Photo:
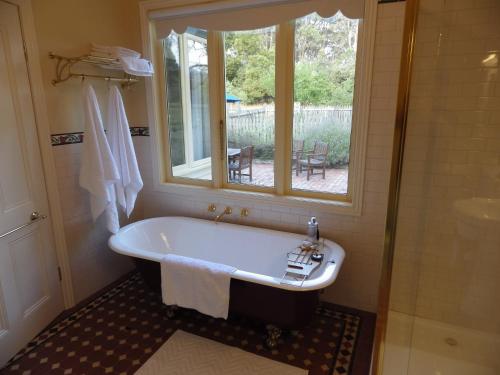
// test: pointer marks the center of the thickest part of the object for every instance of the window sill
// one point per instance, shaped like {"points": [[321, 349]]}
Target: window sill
{"points": [[251, 197]]}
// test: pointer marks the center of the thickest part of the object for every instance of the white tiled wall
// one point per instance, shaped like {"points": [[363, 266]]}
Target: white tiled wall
{"points": [[93, 264], [362, 237], [446, 264]]}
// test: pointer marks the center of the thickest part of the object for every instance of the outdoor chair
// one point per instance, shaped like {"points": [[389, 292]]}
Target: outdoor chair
{"points": [[315, 159], [297, 151], [243, 161]]}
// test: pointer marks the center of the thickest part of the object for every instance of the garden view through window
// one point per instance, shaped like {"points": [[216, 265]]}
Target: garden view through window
{"points": [[250, 110], [324, 67], [325, 62]]}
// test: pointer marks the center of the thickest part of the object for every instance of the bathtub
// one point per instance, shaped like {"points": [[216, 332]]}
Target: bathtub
{"points": [[259, 255]]}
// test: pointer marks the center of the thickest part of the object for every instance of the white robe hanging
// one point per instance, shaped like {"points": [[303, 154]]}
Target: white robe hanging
{"points": [[130, 182], [98, 172]]}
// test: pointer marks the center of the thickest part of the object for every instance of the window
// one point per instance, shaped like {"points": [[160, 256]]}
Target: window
{"points": [[186, 73], [325, 64], [249, 58], [280, 109]]}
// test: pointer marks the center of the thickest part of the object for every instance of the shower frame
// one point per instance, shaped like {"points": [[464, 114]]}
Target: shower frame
{"points": [[406, 65]]}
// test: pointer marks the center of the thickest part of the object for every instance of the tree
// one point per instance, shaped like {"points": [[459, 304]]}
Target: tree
{"points": [[325, 55], [250, 64]]}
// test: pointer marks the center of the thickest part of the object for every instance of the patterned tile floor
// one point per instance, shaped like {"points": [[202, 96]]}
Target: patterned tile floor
{"points": [[119, 330], [335, 180]]}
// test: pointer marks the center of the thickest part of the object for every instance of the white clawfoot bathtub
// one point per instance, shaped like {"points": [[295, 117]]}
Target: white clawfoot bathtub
{"points": [[259, 255]]}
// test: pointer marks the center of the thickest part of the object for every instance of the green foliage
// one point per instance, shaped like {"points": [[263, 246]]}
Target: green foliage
{"points": [[338, 139], [264, 152], [250, 65], [315, 84], [325, 54], [259, 78]]}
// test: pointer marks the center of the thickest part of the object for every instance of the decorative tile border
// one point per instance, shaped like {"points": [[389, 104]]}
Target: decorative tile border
{"points": [[66, 138], [345, 354], [77, 137], [142, 131]]}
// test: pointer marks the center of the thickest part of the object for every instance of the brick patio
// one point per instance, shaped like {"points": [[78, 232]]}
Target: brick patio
{"points": [[334, 182]]}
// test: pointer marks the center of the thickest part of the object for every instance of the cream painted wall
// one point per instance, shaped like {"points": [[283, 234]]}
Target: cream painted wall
{"points": [[67, 27]]}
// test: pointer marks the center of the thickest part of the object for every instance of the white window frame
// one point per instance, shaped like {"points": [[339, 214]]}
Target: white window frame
{"points": [[282, 194]]}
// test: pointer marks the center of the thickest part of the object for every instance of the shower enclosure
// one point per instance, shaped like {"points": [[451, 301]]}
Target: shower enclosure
{"points": [[441, 314]]}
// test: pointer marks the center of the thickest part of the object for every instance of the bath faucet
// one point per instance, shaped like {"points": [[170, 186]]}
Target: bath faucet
{"points": [[227, 211]]}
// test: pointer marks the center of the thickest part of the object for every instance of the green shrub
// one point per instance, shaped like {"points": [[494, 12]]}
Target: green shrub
{"points": [[264, 152], [337, 137]]}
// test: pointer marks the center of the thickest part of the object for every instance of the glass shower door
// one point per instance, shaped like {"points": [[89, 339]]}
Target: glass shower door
{"points": [[444, 309]]}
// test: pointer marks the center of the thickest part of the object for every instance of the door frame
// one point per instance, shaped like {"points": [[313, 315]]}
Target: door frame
{"points": [[28, 32]]}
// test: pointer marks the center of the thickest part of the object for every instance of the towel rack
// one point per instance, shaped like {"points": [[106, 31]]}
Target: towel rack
{"points": [[64, 72]]}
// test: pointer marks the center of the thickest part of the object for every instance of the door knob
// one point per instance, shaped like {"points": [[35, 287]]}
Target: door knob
{"points": [[34, 215]]}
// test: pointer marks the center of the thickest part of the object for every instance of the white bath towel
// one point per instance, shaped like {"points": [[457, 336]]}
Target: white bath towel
{"points": [[113, 51], [98, 171], [196, 284], [137, 67], [122, 148]]}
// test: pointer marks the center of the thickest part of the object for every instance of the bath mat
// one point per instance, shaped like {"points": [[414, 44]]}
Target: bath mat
{"points": [[118, 331], [185, 353]]}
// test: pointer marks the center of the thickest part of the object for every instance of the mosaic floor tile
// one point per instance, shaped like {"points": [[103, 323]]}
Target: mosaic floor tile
{"points": [[119, 330]]}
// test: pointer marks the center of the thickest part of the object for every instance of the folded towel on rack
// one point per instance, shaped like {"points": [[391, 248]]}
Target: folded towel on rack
{"points": [[196, 284], [98, 171], [137, 67], [122, 148], [113, 51], [114, 64]]}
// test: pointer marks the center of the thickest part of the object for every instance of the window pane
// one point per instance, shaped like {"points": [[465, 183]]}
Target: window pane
{"points": [[325, 62], [186, 62], [174, 100], [250, 71], [200, 117]]}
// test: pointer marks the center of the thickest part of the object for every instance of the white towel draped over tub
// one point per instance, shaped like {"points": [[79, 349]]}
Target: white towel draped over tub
{"points": [[98, 172], [196, 284], [120, 141]]}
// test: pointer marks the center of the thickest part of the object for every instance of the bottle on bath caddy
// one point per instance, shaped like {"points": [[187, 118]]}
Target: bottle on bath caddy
{"points": [[313, 230], [312, 240]]}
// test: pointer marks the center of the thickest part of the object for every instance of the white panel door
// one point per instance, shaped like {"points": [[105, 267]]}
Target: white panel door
{"points": [[30, 291]]}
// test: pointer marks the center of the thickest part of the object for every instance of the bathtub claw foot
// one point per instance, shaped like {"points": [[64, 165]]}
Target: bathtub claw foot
{"points": [[273, 335], [171, 310]]}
